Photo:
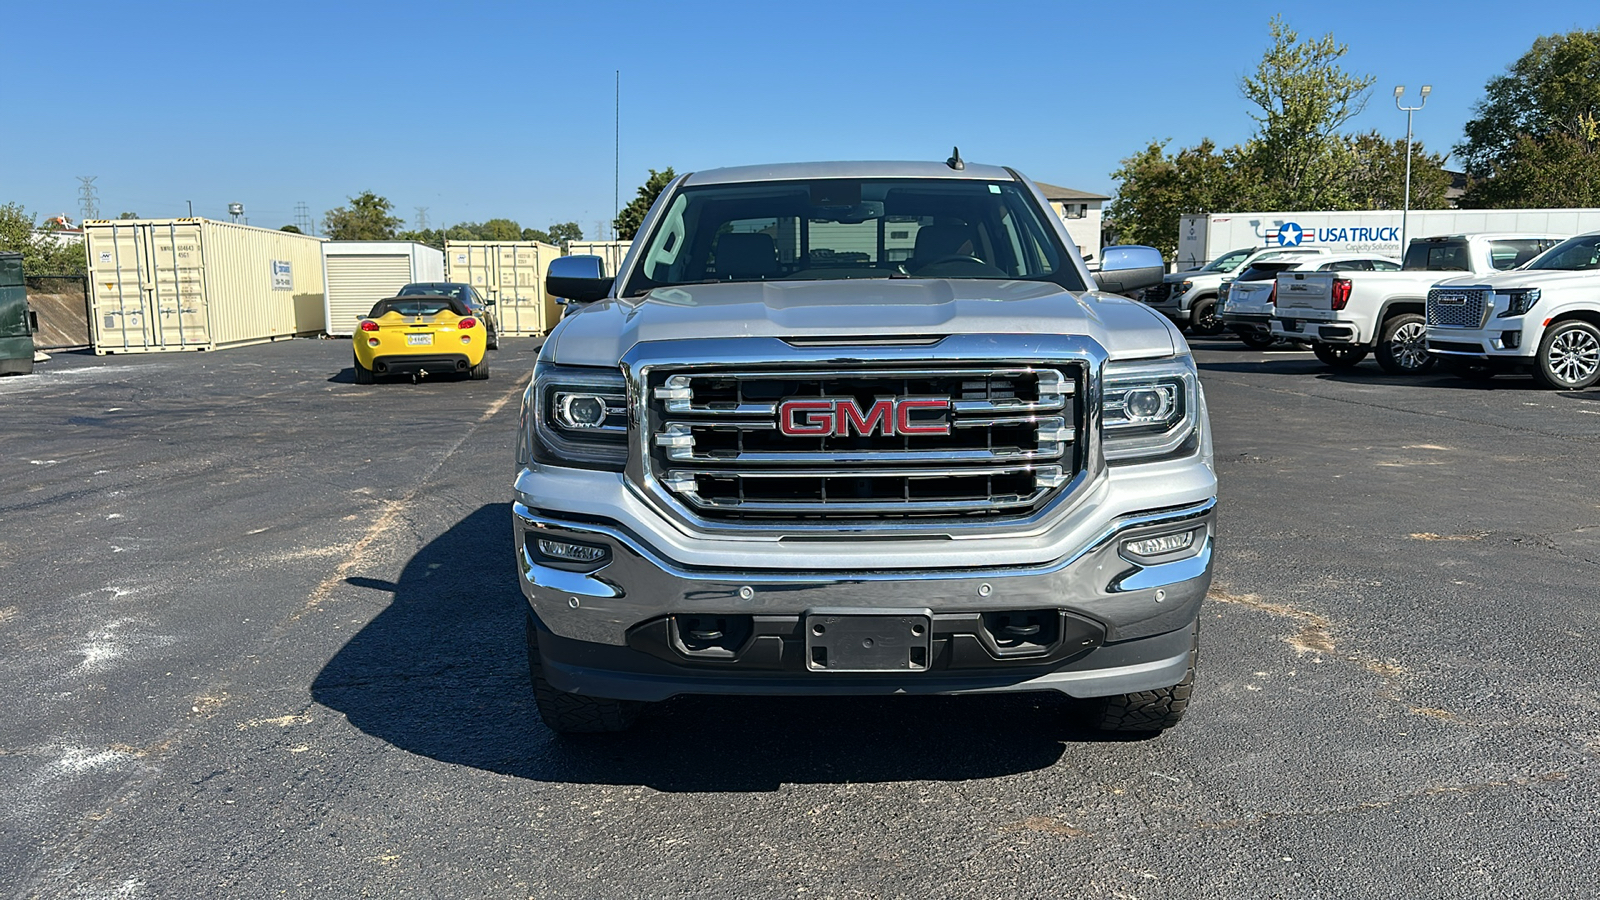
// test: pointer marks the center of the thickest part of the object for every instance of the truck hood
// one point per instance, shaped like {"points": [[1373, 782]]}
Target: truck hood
{"points": [[602, 333], [1523, 278]]}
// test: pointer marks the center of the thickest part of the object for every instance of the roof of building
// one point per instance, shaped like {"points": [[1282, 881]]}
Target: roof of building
{"points": [[1057, 192]]}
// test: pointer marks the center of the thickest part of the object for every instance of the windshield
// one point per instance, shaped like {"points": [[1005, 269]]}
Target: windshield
{"points": [[440, 289], [1579, 254], [1227, 262], [418, 306], [851, 228]]}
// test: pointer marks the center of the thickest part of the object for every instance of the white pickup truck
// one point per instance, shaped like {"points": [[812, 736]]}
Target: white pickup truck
{"points": [[1543, 317], [1346, 315], [1192, 299]]}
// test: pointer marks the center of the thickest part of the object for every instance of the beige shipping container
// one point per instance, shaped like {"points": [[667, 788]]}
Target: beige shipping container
{"points": [[613, 252], [158, 285], [511, 273]]}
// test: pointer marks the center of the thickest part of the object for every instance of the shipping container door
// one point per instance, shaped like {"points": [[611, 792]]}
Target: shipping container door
{"points": [[357, 281], [521, 294], [122, 320], [174, 284]]}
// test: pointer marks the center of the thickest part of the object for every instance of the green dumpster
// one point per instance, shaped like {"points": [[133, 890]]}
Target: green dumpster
{"points": [[17, 322]]}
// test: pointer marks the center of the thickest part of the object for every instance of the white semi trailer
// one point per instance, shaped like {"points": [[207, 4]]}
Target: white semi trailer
{"points": [[1203, 238]]}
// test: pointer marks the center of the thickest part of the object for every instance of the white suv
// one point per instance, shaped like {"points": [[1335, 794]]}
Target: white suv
{"points": [[1544, 317]]}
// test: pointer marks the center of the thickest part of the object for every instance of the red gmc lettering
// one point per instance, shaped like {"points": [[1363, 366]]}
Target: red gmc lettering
{"points": [[903, 417], [816, 418], [819, 416]]}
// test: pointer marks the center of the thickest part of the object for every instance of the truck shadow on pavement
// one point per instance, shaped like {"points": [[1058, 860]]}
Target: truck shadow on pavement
{"points": [[442, 672]]}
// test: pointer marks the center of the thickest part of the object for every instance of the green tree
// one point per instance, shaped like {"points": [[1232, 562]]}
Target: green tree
{"points": [[433, 237], [367, 218], [1377, 176], [536, 234], [41, 255], [561, 232], [291, 229], [1532, 139], [632, 216], [128, 215], [1303, 99], [500, 230], [1157, 187]]}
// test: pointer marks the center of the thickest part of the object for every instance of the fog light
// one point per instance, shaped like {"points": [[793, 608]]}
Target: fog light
{"points": [[580, 410], [570, 552], [372, 342], [466, 339], [1160, 546], [1511, 340]]}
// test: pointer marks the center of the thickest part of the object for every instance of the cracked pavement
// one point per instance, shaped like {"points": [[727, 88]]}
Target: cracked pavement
{"points": [[262, 637]]}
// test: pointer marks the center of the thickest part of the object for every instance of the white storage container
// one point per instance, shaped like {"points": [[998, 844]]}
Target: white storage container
{"points": [[194, 284], [613, 252], [511, 273], [360, 273]]}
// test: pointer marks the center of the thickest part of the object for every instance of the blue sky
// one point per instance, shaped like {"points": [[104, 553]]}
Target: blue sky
{"points": [[505, 109]]}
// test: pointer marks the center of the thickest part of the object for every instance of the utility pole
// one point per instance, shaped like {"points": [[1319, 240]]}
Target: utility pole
{"points": [[616, 158], [422, 218], [1405, 210], [88, 199]]}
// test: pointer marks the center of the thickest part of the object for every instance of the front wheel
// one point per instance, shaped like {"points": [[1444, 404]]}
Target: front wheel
{"points": [[566, 713], [1569, 356], [1403, 345], [1256, 340], [1149, 712], [1205, 321], [1338, 356]]}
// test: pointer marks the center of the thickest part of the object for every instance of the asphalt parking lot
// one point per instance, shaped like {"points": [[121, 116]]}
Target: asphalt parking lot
{"points": [[262, 637]]}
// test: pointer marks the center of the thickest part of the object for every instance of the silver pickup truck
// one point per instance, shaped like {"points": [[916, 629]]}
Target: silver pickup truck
{"points": [[862, 428]]}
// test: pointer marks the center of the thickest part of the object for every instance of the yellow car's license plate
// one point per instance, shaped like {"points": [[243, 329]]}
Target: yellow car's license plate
{"points": [[419, 340]]}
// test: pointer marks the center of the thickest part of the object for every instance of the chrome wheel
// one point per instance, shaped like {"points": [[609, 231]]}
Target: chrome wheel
{"points": [[1574, 357], [1410, 345]]}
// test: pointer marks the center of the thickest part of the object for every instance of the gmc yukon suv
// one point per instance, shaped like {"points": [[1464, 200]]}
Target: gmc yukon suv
{"points": [[1543, 318], [862, 428]]}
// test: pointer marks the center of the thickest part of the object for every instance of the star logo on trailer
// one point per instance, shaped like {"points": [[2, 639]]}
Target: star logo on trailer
{"points": [[1290, 235]]}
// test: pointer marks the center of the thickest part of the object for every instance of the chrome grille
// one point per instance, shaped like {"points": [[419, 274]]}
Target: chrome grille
{"points": [[1158, 293], [715, 442], [1457, 307]]}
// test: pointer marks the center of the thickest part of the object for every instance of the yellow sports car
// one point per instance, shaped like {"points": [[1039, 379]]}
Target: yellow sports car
{"points": [[418, 336]]}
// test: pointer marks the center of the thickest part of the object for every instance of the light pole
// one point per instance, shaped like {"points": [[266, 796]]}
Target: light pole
{"points": [[1405, 210]]}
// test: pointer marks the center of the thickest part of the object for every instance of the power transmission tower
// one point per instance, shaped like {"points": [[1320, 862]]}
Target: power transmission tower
{"points": [[302, 218], [88, 198], [422, 218]]}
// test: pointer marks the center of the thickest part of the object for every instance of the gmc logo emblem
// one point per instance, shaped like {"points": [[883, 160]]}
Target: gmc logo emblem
{"points": [[1452, 300], [841, 418]]}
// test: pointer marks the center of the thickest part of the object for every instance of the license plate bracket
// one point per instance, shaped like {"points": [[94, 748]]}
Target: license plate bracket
{"points": [[419, 340], [878, 641]]}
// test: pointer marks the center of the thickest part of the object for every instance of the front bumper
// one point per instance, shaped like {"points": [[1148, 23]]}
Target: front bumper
{"points": [[1505, 339], [1124, 626]]}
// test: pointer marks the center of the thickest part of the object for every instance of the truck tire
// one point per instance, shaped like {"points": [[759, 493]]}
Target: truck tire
{"points": [[566, 713], [1569, 356], [1403, 345], [1255, 340], [1149, 712], [480, 372], [1339, 356], [1204, 320], [363, 374]]}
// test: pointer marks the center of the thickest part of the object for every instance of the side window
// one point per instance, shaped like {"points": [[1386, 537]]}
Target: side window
{"points": [[1347, 265], [1383, 265]]}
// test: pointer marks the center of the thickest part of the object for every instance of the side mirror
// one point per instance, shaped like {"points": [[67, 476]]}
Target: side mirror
{"points": [[488, 301], [1129, 268], [580, 279]]}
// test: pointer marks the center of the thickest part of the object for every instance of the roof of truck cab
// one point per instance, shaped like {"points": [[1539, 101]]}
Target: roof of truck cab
{"points": [[867, 169]]}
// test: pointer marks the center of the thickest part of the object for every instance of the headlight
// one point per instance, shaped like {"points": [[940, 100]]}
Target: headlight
{"points": [[1519, 302], [1148, 409], [1184, 287], [575, 416]]}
